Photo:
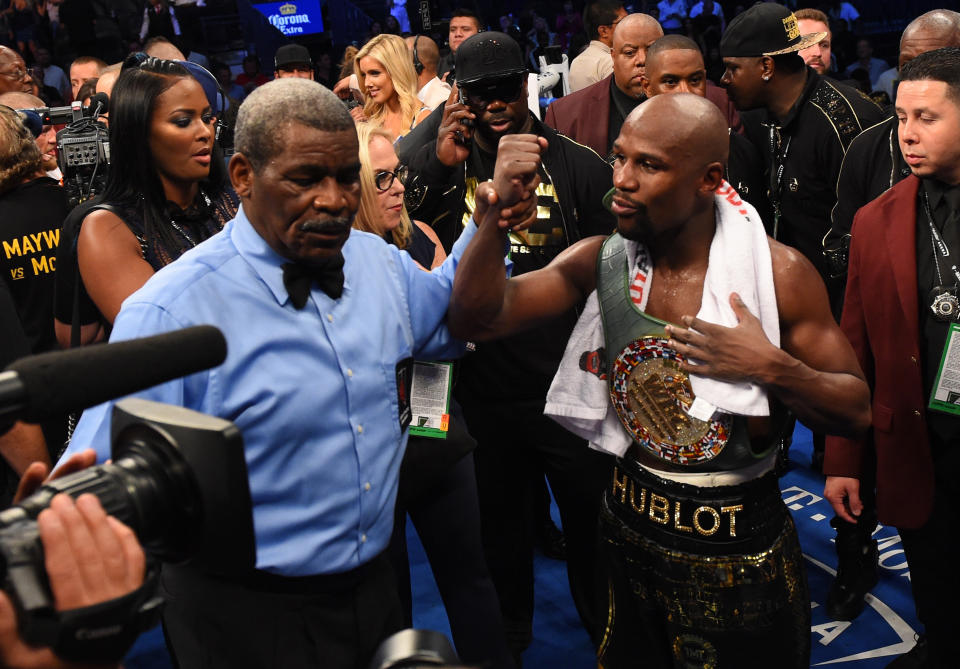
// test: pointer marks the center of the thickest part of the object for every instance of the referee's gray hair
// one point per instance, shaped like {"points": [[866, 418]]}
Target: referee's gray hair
{"points": [[271, 108]]}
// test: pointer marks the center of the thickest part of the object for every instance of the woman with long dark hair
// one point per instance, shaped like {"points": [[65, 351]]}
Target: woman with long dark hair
{"points": [[166, 192]]}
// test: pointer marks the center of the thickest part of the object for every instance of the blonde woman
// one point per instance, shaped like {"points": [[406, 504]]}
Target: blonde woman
{"points": [[382, 211], [437, 481], [384, 69]]}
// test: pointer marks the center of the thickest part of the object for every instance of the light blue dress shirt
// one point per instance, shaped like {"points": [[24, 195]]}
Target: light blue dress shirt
{"points": [[313, 391]]}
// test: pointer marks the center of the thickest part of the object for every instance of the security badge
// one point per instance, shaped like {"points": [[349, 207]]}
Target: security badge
{"points": [[945, 396], [944, 303], [652, 396]]}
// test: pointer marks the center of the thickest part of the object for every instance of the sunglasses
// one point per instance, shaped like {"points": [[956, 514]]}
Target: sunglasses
{"points": [[481, 94], [384, 179]]}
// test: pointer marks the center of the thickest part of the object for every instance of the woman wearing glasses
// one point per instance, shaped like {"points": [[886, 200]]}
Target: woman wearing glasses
{"points": [[163, 196], [382, 211], [387, 78], [437, 482]]}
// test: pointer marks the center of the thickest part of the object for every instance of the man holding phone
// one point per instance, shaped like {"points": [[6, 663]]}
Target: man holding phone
{"points": [[503, 385]]}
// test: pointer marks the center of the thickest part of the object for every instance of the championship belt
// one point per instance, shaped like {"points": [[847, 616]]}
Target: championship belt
{"points": [[649, 391]]}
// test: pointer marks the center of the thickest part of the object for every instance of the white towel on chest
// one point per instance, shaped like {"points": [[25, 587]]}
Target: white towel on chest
{"points": [[739, 262]]}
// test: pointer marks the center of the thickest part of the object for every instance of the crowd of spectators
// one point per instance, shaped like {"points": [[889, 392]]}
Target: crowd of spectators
{"points": [[535, 25], [50, 35]]}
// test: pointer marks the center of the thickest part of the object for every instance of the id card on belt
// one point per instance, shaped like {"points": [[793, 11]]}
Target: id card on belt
{"points": [[946, 386], [430, 399]]}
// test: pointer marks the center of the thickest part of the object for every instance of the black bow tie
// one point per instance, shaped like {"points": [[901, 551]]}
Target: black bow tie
{"points": [[298, 279]]}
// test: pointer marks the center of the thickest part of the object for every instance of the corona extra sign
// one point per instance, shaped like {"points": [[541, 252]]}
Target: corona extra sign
{"points": [[293, 18]]}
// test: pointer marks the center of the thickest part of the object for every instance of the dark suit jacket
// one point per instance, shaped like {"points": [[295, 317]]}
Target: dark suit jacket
{"points": [[882, 321], [584, 116]]}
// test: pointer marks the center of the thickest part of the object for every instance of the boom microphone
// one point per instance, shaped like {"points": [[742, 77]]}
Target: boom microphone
{"points": [[43, 386], [99, 104]]}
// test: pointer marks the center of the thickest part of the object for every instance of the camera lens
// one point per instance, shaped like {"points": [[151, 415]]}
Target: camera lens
{"points": [[149, 487]]}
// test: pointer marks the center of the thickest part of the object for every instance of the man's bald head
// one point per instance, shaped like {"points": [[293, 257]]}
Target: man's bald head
{"points": [[631, 38], [685, 123], [637, 28], [162, 48], [108, 78], [669, 160], [427, 52], [19, 100], [934, 30]]}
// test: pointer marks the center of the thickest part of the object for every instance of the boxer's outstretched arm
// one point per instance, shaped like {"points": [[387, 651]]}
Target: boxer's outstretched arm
{"points": [[485, 304]]}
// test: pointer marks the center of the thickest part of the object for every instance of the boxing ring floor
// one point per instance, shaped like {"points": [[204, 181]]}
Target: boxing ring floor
{"points": [[884, 630]]}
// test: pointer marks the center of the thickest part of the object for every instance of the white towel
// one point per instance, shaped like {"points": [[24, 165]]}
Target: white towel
{"points": [[579, 398]]}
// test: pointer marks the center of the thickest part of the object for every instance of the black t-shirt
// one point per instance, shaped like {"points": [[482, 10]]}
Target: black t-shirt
{"points": [[30, 220], [945, 206], [621, 105], [13, 345], [519, 367]]}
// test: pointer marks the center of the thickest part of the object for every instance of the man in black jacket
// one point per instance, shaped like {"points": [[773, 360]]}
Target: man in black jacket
{"points": [[503, 385], [803, 124], [873, 163]]}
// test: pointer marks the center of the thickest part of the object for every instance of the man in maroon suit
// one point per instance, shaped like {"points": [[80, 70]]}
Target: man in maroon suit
{"points": [[594, 115], [900, 314]]}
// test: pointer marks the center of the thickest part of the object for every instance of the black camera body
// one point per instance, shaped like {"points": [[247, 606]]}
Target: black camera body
{"points": [[178, 479], [83, 146], [83, 154]]}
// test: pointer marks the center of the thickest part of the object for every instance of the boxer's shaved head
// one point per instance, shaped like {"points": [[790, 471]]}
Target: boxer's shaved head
{"points": [[684, 123], [669, 159], [934, 30]]}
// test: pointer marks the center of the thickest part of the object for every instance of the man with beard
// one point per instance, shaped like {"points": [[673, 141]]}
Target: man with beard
{"points": [[818, 56], [321, 325], [502, 385], [705, 565]]}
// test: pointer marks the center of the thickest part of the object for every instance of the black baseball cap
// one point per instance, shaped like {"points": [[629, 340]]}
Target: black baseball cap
{"points": [[767, 29], [488, 55], [291, 54]]}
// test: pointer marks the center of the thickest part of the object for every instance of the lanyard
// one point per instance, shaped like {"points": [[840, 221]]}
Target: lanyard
{"points": [[776, 174], [939, 245]]}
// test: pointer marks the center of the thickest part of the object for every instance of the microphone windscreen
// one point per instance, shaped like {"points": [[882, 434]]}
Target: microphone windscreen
{"points": [[66, 381], [101, 99], [32, 120]]}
